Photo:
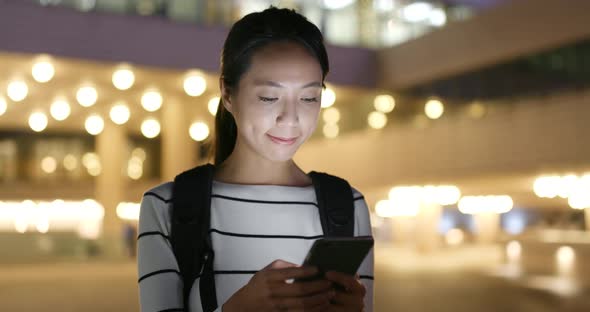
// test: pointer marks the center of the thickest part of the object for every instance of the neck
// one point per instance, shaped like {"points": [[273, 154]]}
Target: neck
{"points": [[243, 167]]}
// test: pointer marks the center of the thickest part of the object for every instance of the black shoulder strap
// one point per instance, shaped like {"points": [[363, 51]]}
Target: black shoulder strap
{"points": [[191, 210], [336, 204]]}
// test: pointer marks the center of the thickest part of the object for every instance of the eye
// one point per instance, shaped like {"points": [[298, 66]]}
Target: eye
{"points": [[267, 99], [310, 100]]}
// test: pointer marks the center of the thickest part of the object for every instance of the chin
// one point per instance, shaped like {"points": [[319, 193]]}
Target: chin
{"points": [[280, 157]]}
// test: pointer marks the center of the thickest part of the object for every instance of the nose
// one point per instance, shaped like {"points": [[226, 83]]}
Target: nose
{"points": [[288, 116]]}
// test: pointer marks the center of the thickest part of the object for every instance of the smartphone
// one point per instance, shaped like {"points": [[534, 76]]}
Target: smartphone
{"points": [[343, 255]]}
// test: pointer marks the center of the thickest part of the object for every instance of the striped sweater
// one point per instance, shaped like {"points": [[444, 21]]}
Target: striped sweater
{"points": [[251, 226]]}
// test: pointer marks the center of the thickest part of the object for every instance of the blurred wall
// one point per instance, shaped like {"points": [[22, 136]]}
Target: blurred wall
{"points": [[29, 28], [499, 34], [531, 136]]}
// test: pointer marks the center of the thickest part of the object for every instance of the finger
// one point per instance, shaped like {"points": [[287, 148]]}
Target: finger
{"points": [[349, 282], [281, 275], [326, 307], [349, 300], [280, 264], [307, 302], [300, 289]]}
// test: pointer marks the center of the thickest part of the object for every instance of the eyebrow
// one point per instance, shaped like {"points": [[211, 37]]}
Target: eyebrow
{"points": [[278, 85]]}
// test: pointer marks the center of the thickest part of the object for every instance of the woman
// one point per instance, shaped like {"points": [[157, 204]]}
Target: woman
{"points": [[263, 207]]}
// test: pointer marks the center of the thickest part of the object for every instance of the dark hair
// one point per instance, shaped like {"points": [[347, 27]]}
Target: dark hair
{"points": [[246, 36]]}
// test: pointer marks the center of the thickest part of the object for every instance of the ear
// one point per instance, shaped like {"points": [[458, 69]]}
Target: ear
{"points": [[225, 96]]}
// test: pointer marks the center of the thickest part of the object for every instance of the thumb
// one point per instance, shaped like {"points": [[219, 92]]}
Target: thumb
{"points": [[280, 264]]}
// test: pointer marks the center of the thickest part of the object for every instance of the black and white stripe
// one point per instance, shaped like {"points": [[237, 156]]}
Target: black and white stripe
{"points": [[251, 226]]}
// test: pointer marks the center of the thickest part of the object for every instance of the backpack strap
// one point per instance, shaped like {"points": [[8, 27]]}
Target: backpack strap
{"points": [[191, 203], [335, 203]]}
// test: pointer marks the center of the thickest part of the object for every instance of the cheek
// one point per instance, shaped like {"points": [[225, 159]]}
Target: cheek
{"points": [[256, 119], [309, 119]]}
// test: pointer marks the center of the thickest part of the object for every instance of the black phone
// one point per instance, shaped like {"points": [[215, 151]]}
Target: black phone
{"points": [[343, 255]]}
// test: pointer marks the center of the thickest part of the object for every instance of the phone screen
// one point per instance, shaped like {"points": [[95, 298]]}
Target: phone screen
{"points": [[343, 255]]}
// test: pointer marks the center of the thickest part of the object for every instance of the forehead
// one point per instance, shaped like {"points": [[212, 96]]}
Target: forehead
{"points": [[284, 61]]}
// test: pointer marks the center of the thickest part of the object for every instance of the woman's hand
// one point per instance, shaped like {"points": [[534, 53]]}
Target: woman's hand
{"points": [[268, 290], [350, 292]]}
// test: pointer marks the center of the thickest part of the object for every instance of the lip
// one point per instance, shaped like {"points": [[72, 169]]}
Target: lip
{"points": [[282, 141]]}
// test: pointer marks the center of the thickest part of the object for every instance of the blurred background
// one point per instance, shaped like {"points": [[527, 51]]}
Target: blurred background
{"points": [[463, 122]]}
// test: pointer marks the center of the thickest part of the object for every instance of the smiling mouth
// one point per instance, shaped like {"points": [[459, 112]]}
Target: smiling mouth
{"points": [[284, 141]]}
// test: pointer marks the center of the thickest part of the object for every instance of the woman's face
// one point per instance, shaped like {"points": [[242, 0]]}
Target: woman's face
{"points": [[277, 102]]}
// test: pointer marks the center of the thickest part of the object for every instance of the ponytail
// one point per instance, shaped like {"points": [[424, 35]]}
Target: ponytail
{"points": [[225, 134]]}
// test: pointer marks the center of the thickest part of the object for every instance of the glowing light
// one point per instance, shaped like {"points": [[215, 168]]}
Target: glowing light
{"points": [[565, 254], [42, 225], [95, 171], [442, 195], [580, 194], [565, 257], [377, 120], [547, 186], [135, 168], [38, 121], [406, 200], [60, 110], [120, 113], [139, 153], [409, 199], [199, 131], [454, 237], [328, 97], [43, 71], [434, 109], [123, 79], [383, 6], [331, 130], [80, 217], [337, 4], [48, 164], [87, 96], [94, 124], [152, 100], [416, 12], [383, 209], [150, 128], [384, 103], [70, 162], [212, 105], [563, 186], [92, 163], [477, 110], [513, 251], [437, 17], [195, 84], [128, 211], [90, 160], [566, 186], [331, 115], [485, 204], [23, 217], [17, 90]]}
